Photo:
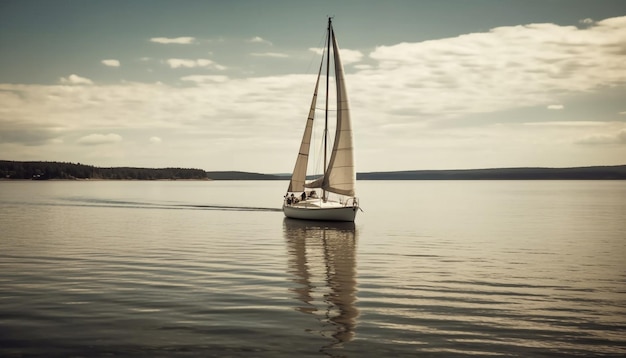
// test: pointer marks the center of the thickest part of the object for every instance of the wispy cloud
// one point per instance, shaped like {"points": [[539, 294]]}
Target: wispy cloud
{"points": [[29, 133], [111, 63], [258, 39], [566, 124], [269, 54], [205, 78], [347, 56], [76, 80], [155, 140], [184, 40], [556, 106], [192, 63], [618, 138], [98, 139]]}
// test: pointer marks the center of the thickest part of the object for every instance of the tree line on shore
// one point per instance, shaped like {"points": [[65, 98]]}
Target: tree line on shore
{"points": [[614, 172], [61, 170]]}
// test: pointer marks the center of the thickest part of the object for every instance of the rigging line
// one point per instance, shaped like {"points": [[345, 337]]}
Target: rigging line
{"points": [[314, 54]]}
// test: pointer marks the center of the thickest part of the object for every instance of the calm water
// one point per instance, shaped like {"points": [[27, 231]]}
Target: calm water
{"points": [[431, 268]]}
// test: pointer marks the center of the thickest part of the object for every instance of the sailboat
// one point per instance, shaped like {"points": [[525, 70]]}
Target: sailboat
{"points": [[331, 196]]}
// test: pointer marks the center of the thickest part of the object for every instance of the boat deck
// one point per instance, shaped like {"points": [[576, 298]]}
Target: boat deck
{"points": [[317, 204]]}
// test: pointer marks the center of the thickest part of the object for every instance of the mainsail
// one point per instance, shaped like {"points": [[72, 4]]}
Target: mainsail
{"points": [[340, 176]]}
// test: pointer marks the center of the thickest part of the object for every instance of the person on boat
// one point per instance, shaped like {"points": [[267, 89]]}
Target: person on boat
{"points": [[294, 200], [303, 196], [287, 199]]}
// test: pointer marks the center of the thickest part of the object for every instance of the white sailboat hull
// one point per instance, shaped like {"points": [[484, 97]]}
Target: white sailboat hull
{"points": [[329, 213]]}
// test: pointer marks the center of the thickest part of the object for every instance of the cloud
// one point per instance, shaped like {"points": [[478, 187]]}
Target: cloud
{"points": [[269, 54], [155, 140], [351, 56], [212, 106], [75, 80], [605, 139], [205, 79], [258, 39], [363, 67], [347, 56], [586, 21], [111, 63], [566, 123], [29, 134], [185, 40], [191, 63], [98, 139], [556, 106], [507, 67]]}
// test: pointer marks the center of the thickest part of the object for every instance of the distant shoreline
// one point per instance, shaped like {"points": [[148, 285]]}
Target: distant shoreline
{"points": [[16, 170], [616, 172]]}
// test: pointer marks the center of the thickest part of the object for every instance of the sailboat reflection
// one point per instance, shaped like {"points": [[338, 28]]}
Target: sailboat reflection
{"points": [[322, 259]]}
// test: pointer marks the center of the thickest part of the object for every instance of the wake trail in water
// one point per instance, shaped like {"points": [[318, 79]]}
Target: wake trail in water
{"points": [[107, 203], [229, 208]]}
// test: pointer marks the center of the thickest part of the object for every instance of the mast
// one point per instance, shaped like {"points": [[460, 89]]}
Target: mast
{"points": [[326, 109]]}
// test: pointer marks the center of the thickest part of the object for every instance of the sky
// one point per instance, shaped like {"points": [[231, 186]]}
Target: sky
{"points": [[226, 85]]}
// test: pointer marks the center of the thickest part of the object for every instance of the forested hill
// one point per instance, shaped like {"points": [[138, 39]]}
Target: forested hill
{"points": [[616, 172], [59, 170]]}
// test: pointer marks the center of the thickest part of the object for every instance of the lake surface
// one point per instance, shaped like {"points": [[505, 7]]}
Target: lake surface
{"points": [[430, 268]]}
